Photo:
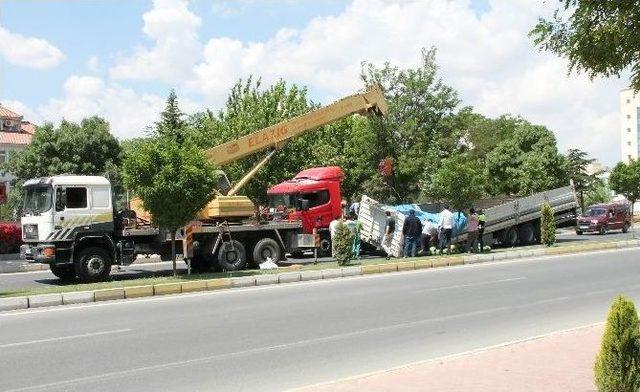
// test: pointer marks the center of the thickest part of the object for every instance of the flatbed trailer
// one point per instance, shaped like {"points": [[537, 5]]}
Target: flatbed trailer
{"points": [[512, 223]]}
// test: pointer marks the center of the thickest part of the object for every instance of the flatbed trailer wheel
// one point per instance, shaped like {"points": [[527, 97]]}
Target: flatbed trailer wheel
{"points": [[526, 234], [232, 256]]}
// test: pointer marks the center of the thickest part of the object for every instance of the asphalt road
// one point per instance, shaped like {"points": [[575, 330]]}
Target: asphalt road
{"points": [[15, 281], [286, 336]]}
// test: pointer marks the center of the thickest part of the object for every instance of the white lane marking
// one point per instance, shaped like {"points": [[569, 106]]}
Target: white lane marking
{"points": [[292, 286], [458, 286], [253, 351], [61, 338], [546, 301]]}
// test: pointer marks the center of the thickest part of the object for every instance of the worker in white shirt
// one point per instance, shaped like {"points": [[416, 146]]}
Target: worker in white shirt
{"points": [[445, 226]]}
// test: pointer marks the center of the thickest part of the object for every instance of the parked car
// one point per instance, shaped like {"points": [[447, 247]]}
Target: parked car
{"points": [[601, 218]]}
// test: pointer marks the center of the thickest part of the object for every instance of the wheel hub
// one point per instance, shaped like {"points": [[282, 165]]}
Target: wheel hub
{"points": [[95, 265]]}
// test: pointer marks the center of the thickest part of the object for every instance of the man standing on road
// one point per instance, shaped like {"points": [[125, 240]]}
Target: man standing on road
{"points": [[472, 231], [390, 228], [411, 230], [482, 220], [445, 226]]}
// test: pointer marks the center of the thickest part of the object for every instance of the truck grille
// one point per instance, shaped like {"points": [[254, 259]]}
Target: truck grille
{"points": [[30, 232]]}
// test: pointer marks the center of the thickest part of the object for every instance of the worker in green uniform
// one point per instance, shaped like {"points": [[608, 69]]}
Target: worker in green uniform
{"points": [[482, 221]]}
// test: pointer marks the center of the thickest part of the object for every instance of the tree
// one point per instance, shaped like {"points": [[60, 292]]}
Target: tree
{"points": [[547, 225], [526, 162], [171, 176], [343, 240], [172, 123], [87, 148], [415, 134], [459, 181], [174, 182], [625, 180], [599, 37], [617, 366], [577, 163]]}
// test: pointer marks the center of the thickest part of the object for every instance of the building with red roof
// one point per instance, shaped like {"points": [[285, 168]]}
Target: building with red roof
{"points": [[15, 135]]}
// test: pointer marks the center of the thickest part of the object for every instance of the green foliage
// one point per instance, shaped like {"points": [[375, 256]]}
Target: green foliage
{"points": [[342, 242], [250, 108], [547, 225], [617, 366], [577, 163], [625, 180], [87, 148], [415, 134], [599, 37], [174, 181], [12, 209], [598, 193], [526, 162], [459, 181], [172, 124]]}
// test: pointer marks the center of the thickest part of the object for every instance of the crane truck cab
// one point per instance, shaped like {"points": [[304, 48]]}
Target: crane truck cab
{"points": [[313, 197]]}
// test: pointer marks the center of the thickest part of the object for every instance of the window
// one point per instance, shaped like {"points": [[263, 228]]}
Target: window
{"points": [[628, 116], [3, 156], [628, 143], [316, 198], [628, 129], [100, 197], [628, 101], [629, 157], [76, 197]]}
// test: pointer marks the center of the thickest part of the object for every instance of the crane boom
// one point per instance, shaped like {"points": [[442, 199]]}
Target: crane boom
{"points": [[275, 136]]}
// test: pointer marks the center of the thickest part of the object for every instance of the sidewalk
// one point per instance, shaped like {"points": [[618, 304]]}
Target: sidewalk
{"points": [[562, 361]]}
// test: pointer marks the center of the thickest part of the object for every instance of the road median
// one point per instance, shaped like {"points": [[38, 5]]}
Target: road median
{"points": [[283, 276]]}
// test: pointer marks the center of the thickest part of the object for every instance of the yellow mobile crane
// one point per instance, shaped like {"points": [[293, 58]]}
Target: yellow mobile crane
{"points": [[275, 137]]}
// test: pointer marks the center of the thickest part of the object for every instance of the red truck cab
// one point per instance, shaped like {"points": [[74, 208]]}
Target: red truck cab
{"points": [[601, 218], [313, 196]]}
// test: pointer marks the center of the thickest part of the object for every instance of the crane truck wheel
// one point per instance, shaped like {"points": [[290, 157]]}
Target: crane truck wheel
{"points": [[92, 264], [232, 256], [267, 248], [325, 247], [63, 272]]}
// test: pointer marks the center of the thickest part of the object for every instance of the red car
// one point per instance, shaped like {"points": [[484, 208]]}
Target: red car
{"points": [[601, 218]]}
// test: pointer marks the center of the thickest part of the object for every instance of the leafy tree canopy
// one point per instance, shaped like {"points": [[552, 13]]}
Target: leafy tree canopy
{"points": [[87, 148], [599, 37], [625, 180], [459, 181]]}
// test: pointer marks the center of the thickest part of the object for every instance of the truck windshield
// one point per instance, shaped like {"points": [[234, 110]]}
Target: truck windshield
{"points": [[284, 200], [37, 199], [595, 212]]}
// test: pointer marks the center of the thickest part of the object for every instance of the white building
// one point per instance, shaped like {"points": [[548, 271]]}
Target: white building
{"points": [[15, 135], [629, 123]]}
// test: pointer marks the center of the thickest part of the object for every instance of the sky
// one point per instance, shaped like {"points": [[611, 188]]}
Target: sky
{"points": [[120, 59]]}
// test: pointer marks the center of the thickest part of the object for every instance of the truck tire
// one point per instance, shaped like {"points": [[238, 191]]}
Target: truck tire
{"points": [[325, 247], [63, 272], [92, 264], [603, 229], [266, 248], [625, 228], [232, 256], [511, 236], [526, 234]]}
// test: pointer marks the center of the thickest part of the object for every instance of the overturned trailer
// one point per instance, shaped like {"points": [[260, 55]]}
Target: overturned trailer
{"points": [[513, 223]]}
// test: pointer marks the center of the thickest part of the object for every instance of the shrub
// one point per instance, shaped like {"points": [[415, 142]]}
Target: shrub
{"points": [[547, 225], [617, 366], [342, 242], [10, 237]]}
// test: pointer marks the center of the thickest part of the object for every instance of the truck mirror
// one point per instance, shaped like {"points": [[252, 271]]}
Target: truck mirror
{"points": [[304, 205], [61, 199]]}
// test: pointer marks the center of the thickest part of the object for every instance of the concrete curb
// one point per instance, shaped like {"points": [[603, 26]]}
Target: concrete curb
{"points": [[75, 297]]}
